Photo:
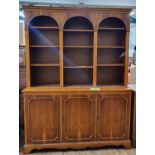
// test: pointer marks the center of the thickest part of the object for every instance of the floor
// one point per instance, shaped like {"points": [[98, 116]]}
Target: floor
{"points": [[86, 152]]}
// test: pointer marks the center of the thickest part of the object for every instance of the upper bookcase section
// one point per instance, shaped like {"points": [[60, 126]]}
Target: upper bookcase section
{"points": [[77, 46], [58, 16]]}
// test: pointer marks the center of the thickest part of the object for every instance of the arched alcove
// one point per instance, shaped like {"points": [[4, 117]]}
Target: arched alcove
{"points": [[112, 22], [111, 32], [78, 23], [45, 29], [44, 51], [78, 51], [43, 21], [111, 52]]}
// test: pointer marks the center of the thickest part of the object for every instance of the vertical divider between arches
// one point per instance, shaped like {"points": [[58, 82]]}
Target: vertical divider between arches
{"points": [[61, 58], [95, 59]]}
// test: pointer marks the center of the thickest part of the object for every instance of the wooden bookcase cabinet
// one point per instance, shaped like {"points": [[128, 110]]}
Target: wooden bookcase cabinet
{"points": [[70, 52]]}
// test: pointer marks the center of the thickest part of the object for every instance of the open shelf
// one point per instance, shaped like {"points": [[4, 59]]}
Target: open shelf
{"points": [[47, 85], [45, 75], [111, 52], [110, 56], [78, 57], [44, 55], [111, 38], [78, 39], [44, 37], [45, 29], [44, 51], [78, 76], [78, 52], [82, 38], [111, 75], [111, 32]]}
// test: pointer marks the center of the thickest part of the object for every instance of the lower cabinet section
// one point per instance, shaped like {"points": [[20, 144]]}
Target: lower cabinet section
{"points": [[76, 120]]}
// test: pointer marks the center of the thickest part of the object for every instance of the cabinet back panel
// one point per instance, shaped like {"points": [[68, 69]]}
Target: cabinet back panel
{"points": [[114, 38], [78, 39], [110, 75], [110, 56], [45, 76], [44, 37], [78, 76], [77, 57], [44, 55]]}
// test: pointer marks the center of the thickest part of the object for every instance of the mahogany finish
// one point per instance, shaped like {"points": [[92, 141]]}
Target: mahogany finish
{"points": [[77, 76]]}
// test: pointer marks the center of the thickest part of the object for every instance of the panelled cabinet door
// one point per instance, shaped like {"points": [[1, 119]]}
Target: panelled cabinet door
{"points": [[113, 116], [78, 118], [42, 119]]}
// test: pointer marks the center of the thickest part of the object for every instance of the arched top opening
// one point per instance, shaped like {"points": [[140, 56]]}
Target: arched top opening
{"points": [[43, 21], [78, 23], [112, 22]]}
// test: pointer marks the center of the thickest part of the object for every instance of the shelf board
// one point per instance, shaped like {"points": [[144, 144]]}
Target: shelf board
{"points": [[109, 65], [42, 46], [85, 67], [111, 85], [44, 27], [78, 30], [111, 46], [45, 65], [49, 85], [78, 86], [112, 28], [78, 46]]}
